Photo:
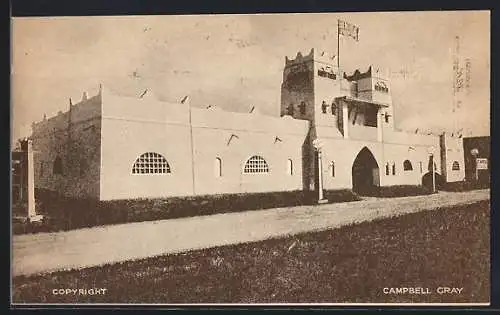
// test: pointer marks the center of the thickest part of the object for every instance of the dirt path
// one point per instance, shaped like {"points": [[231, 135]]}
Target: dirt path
{"points": [[47, 252]]}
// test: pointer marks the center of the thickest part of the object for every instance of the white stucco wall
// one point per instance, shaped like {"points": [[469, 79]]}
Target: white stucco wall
{"points": [[133, 126], [394, 150], [274, 139]]}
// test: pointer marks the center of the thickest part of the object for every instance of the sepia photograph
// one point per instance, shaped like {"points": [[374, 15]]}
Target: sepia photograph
{"points": [[251, 159]]}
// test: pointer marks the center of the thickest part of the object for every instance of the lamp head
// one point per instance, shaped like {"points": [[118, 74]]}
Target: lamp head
{"points": [[431, 150]]}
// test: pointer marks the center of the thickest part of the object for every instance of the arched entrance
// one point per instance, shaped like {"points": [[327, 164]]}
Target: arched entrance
{"points": [[427, 177], [365, 172]]}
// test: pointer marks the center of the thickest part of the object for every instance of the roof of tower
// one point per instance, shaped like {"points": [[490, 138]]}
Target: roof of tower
{"points": [[357, 75], [373, 70], [314, 54], [299, 58]]}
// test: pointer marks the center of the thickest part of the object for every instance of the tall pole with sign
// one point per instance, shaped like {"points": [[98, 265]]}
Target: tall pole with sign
{"points": [[31, 180], [474, 152], [477, 171]]}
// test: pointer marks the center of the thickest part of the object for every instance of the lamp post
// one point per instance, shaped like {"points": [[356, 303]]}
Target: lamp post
{"points": [[474, 152], [431, 151], [318, 145]]}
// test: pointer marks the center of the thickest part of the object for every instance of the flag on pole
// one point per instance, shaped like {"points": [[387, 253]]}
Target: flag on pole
{"points": [[348, 29]]}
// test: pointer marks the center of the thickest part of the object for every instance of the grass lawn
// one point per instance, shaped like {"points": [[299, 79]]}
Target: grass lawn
{"points": [[446, 247]]}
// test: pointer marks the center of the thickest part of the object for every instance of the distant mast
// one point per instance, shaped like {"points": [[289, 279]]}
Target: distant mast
{"points": [[458, 81]]}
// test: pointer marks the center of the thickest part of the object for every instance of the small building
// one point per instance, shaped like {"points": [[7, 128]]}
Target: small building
{"points": [[114, 147], [483, 146]]}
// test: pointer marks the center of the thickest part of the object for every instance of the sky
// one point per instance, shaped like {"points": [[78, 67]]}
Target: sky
{"points": [[236, 61]]}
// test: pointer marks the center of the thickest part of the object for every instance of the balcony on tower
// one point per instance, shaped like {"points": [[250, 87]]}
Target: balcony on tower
{"points": [[372, 85], [365, 101], [361, 119]]}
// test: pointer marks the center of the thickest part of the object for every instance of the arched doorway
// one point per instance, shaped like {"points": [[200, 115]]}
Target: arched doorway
{"points": [[427, 177], [427, 180], [365, 172]]}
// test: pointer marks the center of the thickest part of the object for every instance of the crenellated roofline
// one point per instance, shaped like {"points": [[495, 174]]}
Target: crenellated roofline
{"points": [[299, 58], [313, 55], [358, 75]]}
